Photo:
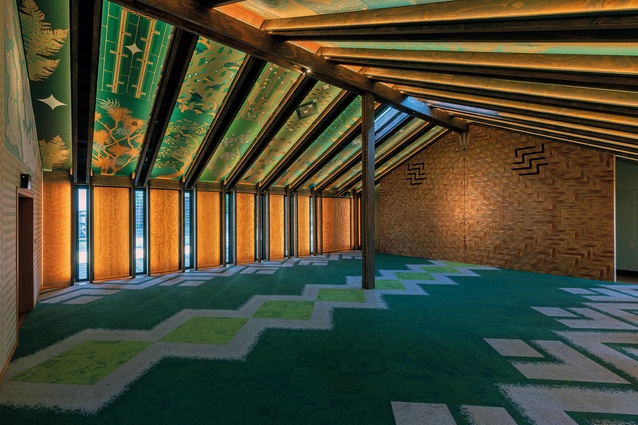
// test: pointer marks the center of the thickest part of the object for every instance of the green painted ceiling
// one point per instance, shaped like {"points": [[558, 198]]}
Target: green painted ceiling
{"points": [[210, 74], [132, 52], [45, 35]]}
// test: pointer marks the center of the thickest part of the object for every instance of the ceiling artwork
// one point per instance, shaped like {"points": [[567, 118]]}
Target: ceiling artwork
{"points": [[264, 98], [210, 74], [132, 52], [309, 110], [45, 36]]}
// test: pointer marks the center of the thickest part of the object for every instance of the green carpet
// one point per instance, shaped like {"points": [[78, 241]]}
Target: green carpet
{"points": [[433, 337]]}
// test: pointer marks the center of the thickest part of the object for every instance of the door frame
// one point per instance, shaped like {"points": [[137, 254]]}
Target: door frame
{"points": [[24, 295]]}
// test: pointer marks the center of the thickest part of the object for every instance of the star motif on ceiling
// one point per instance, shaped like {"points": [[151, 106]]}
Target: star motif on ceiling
{"points": [[133, 48], [326, 87], [52, 102]]}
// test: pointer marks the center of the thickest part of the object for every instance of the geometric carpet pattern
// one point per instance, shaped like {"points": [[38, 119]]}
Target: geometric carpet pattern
{"points": [[101, 376], [299, 341]]}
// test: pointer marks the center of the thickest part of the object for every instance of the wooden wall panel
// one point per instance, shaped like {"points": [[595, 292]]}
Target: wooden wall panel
{"points": [[111, 233], [164, 230], [277, 234], [303, 225], [336, 224], [208, 229], [56, 238], [245, 228], [475, 206]]}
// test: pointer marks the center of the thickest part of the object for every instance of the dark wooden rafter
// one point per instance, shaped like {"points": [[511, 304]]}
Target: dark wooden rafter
{"points": [[214, 24], [178, 58], [354, 160], [86, 21], [595, 28], [468, 12], [278, 119], [404, 144], [346, 138], [318, 126], [242, 84], [387, 171]]}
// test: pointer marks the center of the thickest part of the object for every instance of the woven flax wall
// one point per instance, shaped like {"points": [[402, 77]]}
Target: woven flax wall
{"points": [[509, 200]]}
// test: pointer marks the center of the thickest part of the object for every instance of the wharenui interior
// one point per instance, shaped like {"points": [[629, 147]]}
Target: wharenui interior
{"points": [[379, 212]]}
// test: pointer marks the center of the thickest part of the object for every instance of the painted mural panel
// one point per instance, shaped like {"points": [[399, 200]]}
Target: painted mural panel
{"points": [[343, 122], [303, 225], [208, 78], [264, 98], [208, 229], [45, 35], [277, 232], [319, 98], [164, 230], [132, 52], [20, 131], [336, 224], [245, 216], [111, 233]]}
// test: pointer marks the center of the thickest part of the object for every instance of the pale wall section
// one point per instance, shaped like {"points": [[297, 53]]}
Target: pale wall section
{"points": [[475, 206], [19, 154]]}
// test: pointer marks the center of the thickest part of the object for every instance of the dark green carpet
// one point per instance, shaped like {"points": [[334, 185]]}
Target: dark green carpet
{"points": [[422, 349]]}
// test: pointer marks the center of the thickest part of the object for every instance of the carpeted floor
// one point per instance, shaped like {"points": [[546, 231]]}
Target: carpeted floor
{"points": [[299, 342]]}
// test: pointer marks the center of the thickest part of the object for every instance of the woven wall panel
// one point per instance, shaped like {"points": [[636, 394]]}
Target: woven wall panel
{"points": [[511, 200], [277, 234], [208, 229], [164, 230], [111, 233], [303, 225], [56, 236], [336, 224], [245, 228]]}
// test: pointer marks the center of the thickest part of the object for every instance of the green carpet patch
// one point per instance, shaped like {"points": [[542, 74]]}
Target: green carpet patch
{"points": [[413, 276], [439, 269], [341, 295], [85, 364], [395, 285], [455, 264], [291, 310], [206, 330]]}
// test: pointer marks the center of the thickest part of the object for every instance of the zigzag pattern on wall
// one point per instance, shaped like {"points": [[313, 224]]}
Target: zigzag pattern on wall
{"points": [[416, 173], [529, 160]]}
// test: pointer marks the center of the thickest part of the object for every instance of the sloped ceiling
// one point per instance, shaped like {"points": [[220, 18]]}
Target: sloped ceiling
{"points": [[267, 92]]}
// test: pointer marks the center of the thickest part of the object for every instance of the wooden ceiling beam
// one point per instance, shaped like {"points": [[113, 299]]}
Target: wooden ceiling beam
{"points": [[600, 28], [441, 98], [465, 11], [240, 88], [86, 24], [346, 138], [579, 97], [176, 64], [410, 139], [214, 24], [324, 121], [571, 63], [277, 120]]}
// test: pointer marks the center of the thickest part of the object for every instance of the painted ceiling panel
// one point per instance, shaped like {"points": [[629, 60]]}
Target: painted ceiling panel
{"points": [[405, 153], [209, 76], [353, 149], [309, 110], [344, 121], [294, 8], [627, 49], [267, 94], [45, 34], [133, 48]]}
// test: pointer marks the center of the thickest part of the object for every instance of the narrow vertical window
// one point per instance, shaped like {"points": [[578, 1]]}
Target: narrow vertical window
{"points": [[286, 223], [312, 234], [140, 227], [83, 234], [227, 230], [187, 231]]}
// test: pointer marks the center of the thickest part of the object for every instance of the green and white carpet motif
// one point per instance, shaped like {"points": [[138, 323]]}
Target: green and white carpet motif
{"points": [[299, 341]]}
